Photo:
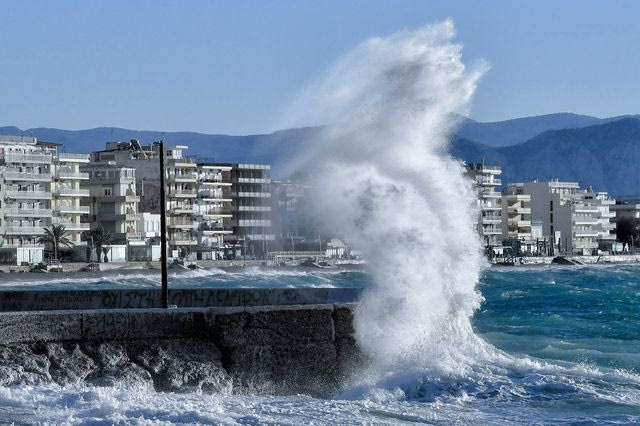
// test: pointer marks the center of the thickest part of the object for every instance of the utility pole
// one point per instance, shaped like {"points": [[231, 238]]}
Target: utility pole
{"points": [[163, 232]]}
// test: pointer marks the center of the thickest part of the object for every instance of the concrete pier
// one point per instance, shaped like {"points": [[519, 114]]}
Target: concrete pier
{"points": [[265, 349]]}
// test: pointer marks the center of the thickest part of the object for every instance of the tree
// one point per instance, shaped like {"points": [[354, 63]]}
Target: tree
{"points": [[56, 235], [101, 237], [628, 229]]}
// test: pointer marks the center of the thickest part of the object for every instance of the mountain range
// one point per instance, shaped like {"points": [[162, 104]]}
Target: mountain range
{"points": [[602, 152]]}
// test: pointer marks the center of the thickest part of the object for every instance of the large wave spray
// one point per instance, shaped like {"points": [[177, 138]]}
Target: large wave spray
{"points": [[384, 179]]}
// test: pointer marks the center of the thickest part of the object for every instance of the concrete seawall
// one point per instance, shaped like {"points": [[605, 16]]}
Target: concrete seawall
{"points": [[273, 349], [38, 300]]}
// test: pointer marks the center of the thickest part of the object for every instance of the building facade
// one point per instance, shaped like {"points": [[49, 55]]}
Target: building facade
{"points": [[112, 201], [489, 202]]}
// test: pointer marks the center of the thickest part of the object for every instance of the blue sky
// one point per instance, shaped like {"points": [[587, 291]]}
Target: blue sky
{"points": [[234, 66]]}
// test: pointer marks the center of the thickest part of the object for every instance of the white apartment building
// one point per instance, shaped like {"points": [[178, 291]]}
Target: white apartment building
{"points": [[113, 202], [516, 218], [39, 186], [489, 202], [213, 211], [69, 195], [605, 226]]}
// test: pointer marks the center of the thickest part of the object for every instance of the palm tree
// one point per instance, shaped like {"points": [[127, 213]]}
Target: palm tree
{"points": [[56, 235], [101, 237]]}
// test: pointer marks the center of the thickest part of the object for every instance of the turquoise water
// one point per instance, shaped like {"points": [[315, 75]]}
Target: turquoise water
{"points": [[564, 349]]}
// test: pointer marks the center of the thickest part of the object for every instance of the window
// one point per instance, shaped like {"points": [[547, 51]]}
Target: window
{"points": [[551, 206], [551, 217], [107, 192]]}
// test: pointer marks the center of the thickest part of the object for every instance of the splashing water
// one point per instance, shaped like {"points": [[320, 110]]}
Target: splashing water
{"points": [[384, 178]]}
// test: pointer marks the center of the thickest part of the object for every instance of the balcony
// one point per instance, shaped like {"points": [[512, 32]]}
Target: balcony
{"points": [[182, 241], [27, 177], [182, 210], [585, 209], [28, 195], [491, 220], [488, 182], [73, 175], [491, 230], [26, 158], [73, 158], [519, 210], [489, 194], [72, 192], [26, 212], [184, 193], [585, 233], [252, 194], [69, 225], [252, 208], [183, 177], [23, 230], [252, 180], [253, 222], [73, 209], [181, 224], [215, 229]]}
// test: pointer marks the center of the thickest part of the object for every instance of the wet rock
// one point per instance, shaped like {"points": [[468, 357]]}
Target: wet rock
{"points": [[68, 363], [177, 365]]}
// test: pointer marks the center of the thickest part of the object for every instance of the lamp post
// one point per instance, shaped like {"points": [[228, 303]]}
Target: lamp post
{"points": [[163, 232]]}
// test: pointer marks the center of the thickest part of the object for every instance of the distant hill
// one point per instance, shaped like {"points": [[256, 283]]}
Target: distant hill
{"points": [[605, 155], [512, 132], [265, 148]]}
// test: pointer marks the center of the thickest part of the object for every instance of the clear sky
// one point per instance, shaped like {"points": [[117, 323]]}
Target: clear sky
{"points": [[234, 66]]}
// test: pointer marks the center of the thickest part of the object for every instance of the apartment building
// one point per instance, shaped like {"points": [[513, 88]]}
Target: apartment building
{"points": [[112, 201], [516, 218], [251, 205], [69, 195], [39, 186], [605, 218], [577, 221], [489, 202], [213, 211]]}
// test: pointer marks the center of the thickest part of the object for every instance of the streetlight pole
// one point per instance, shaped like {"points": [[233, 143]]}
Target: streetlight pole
{"points": [[163, 232]]}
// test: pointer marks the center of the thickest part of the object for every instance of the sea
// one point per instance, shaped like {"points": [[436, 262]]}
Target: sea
{"points": [[565, 344]]}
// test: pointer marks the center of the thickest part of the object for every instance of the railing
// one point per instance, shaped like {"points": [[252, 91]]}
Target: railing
{"points": [[23, 230], [183, 193], [73, 209], [216, 212], [27, 212], [486, 181], [70, 226], [72, 192], [254, 222], [253, 208], [73, 175], [27, 176], [26, 158], [30, 195], [253, 194], [187, 176], [252, 180], [71, 157]]}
